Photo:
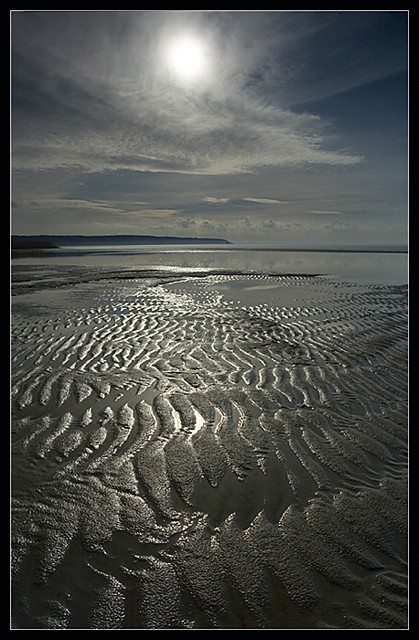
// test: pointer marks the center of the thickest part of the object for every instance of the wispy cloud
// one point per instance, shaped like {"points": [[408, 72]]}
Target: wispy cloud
{"points": [[213, 200], [78, 115], [221, 141], [264, 200], [238, 201]]}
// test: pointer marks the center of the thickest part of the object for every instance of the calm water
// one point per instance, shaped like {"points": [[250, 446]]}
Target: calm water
{"points": [[358, 266]]}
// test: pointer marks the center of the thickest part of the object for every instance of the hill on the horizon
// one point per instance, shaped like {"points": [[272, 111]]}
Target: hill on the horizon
{"points": [[56, 241]]}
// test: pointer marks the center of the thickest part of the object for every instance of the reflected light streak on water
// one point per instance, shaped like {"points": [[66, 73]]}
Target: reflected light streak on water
{"points": [[368, 267]]}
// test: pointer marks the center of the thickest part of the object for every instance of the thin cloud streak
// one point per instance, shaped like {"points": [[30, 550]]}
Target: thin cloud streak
{"points": [[264, 200]]}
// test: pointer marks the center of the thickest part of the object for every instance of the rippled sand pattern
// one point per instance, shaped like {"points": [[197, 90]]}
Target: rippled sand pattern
{"points": [[184, 460]]}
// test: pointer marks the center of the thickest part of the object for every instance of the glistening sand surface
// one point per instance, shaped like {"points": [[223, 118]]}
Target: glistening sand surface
{"points": [[207, 451]]}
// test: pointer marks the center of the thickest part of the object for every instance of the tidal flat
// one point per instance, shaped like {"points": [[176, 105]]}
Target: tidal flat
{"points": [[207, 450]]}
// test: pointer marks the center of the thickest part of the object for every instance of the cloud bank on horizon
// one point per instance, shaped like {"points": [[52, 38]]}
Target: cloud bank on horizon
{"points": [[242, 123]]}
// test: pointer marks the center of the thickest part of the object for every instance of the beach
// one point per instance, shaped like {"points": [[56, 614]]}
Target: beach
{"points": [[203, 448]]}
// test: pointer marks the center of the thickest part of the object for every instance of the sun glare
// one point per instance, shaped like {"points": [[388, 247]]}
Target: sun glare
{"points": [[186, 58]]}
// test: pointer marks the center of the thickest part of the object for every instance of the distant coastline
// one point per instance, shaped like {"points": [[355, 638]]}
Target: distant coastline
{"points": [[57, 241], [22, 244]]}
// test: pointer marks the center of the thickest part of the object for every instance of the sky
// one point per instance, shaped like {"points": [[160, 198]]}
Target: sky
{"points": [[280, 127]]}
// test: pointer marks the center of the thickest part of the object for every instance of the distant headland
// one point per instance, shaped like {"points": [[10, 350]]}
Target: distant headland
{"points": [[55, 242]]}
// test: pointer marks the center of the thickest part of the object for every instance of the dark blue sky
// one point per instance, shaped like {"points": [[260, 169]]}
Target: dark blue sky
{"points": [[287, 127]]}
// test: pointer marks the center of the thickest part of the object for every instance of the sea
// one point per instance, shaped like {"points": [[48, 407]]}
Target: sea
{"points": [[367, 264]]}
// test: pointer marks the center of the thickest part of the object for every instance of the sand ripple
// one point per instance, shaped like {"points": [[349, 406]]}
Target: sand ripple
{"points": [[185, 456]]}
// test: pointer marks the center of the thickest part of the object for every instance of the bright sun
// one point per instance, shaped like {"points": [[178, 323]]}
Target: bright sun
{"points": [[187, 59]]}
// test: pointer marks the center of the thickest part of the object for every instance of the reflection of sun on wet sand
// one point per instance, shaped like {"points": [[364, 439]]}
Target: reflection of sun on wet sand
{"points": [[185, 460], [256, 290]]}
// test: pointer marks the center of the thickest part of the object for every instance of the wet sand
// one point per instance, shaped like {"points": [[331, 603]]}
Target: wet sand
{"points": [[207, 451]]}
